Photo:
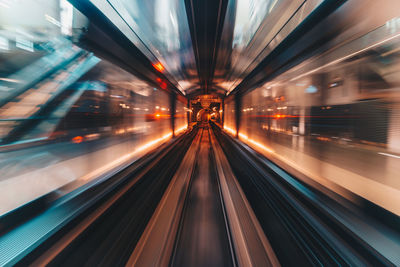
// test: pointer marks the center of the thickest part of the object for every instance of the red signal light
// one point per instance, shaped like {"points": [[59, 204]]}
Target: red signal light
{"points": [[279, 116], [77, 139], [158, 66]]}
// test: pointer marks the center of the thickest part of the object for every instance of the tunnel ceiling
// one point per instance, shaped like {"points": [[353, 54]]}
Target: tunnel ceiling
{"points": [[206, 19], [201, 46]]}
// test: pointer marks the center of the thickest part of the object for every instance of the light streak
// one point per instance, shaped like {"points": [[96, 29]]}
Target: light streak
{"points": [[10, 80], [346, 57], [230, 130], [180, 130], [120, 160], [259, 145], [389, 155]]}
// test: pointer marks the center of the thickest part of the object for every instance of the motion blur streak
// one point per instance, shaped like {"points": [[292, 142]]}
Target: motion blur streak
{"points": [[152, 143], [200, 132], [259, 145], [180, 130], [335, 116], [124, 158], [230, 130], [389, 155], [65, 114], [346, 57]]}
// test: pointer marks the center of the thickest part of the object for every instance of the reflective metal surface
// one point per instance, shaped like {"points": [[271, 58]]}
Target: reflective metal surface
{"points": [[252, 29], [258, 27], [160, 30]]}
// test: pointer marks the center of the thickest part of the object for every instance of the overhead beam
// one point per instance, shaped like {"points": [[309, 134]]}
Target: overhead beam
{"points": [[206, 19], [106, 40]]}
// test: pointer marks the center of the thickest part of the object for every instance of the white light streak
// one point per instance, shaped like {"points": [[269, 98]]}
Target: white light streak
{"points": [[346, 57], [389, 155]]}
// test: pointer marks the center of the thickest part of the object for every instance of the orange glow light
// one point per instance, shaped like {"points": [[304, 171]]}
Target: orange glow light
{"points": [[158, 115], [158, 66], [77, 139], [230, 130], [125, 157], [180, 130], [279, 116], [151, 143], [259, 145]]}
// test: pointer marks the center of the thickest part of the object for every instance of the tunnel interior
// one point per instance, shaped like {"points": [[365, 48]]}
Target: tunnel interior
{"points": [[199, 133]]}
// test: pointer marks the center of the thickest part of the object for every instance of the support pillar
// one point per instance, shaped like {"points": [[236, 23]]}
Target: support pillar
{"points": [[238, 113]]}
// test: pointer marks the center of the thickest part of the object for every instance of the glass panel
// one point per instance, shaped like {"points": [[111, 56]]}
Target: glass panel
{"points": [[180, 117], [66, 116], [335, 118], [249, 16], [229, 116]]}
